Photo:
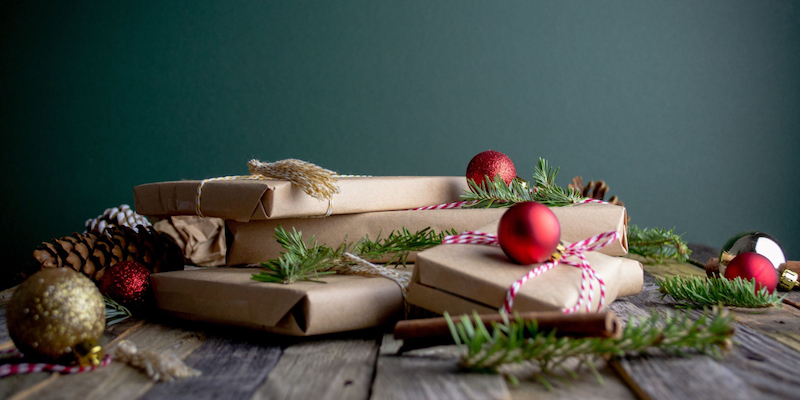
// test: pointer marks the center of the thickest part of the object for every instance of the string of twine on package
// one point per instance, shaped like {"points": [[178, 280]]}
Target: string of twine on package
{"points": [[588, 274], [317, 182]]}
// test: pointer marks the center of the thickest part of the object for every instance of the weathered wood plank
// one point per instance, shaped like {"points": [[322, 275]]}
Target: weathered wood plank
{"points": [[117, 380], [234, 364], [699, 377], [333, 367], [430, 374], [745, 374], [585, 386]]}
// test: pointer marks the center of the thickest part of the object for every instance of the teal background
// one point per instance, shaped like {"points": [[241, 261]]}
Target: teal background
{"points": [[690, 110]]}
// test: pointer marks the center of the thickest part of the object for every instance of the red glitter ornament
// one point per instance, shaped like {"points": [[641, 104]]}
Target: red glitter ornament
{"points": [[491, 163], [753, 265], [529, 233], [128, 283]]}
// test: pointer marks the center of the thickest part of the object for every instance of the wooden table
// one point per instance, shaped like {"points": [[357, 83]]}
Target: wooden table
{"points": [[237, 363]]}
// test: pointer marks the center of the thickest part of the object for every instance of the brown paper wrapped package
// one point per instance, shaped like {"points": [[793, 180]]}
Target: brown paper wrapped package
{"points": [[459, 278], [254, 242], [254, 200], [228, 296]]}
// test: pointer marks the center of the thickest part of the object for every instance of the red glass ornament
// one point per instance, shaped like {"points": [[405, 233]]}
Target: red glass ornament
{"points": [[753, 265], [128, 283], [529, 233], [491, 163]]}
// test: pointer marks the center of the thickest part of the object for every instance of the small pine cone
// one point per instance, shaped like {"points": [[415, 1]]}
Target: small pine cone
{"points": [[122, 216], [92, 253], [595, 190]]}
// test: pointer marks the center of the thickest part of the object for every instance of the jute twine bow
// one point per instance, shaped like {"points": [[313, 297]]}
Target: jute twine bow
{"points": [[588, 274], [317, 182]]}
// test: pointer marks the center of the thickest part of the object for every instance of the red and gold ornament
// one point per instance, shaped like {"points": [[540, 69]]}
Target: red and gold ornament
{"points": [[128, 283], [529, 233], [491, 163], [751, 265]]}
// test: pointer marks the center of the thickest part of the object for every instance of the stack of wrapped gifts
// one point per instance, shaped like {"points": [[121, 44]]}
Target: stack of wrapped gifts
{"points": [[455, 277]]}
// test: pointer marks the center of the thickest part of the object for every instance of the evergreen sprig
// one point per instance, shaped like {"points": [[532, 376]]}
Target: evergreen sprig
{"points": [[520, 342], [307, 261], [657, 245], [494, 193], [115, 312], [695, 291]]}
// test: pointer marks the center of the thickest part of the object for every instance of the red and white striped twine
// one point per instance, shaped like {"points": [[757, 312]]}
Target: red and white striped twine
{"points": [[588, 274], [27, 368], [462, 204]]}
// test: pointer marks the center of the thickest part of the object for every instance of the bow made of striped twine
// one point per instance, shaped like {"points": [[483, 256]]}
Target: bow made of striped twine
{"points": [[588, 274]]}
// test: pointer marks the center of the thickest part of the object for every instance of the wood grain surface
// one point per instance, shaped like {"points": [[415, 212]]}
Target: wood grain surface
{"points": [[248, 364]]}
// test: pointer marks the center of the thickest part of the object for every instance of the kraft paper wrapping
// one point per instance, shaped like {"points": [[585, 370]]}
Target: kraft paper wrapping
{"points": [[461, 277], [255, 200], [254, 242], [202, 239], [228, 296]]}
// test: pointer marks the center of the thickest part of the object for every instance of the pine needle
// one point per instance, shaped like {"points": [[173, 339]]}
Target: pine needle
{"points": [[495, 193], [521, 342], [657, 245], [696, 292], [115, 312], [307, 261]]}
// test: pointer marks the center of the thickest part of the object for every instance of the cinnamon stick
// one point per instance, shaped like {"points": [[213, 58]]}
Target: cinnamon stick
{"points": [[421, 333]]}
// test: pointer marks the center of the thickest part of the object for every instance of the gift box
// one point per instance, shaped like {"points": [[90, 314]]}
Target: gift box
{"points": [[228, 296], [459, 278], [255, 200], [253, 242]]}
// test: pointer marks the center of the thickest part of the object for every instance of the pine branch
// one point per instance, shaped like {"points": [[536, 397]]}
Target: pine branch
{"points": [[699, 292], [657, 245], [495, 193], [115, 312], [520, 342], [308, 261]]}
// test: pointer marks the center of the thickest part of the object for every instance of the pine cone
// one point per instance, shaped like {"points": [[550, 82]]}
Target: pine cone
{"points": [[92, 253], [122, 216], [595, 190]]}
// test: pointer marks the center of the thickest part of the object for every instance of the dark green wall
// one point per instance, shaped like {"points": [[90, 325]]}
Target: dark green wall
{"points": [[689, 109]]}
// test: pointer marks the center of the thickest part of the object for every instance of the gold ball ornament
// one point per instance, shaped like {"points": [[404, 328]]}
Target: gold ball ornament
{"points": [[54, 312]]}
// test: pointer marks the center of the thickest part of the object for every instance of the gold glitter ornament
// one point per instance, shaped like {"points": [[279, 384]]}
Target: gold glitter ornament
{"points": [[54, 311]]}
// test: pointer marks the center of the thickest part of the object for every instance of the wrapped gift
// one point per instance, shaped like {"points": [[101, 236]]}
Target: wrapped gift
{"points": [[253, 242], [228, 296], [459, 278], [255, 200]]}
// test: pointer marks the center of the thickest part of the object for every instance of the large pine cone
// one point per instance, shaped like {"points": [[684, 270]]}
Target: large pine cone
{"points": [[93, 253]]}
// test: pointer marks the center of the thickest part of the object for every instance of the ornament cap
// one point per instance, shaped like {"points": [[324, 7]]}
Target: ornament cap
{"points": [[88, 353], [789, 279], [559, 253]]}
